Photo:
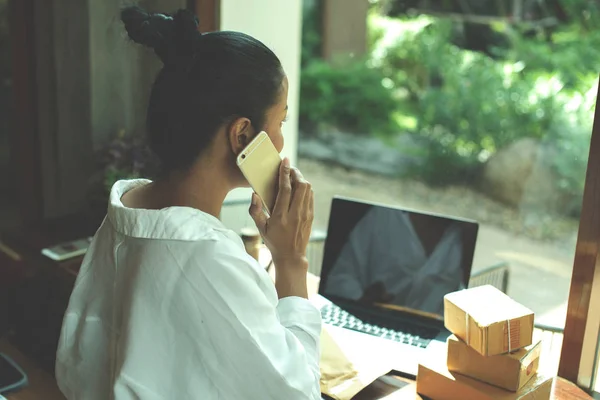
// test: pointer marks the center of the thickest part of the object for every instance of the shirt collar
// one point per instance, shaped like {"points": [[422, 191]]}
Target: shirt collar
{"points": [[175, 223]]}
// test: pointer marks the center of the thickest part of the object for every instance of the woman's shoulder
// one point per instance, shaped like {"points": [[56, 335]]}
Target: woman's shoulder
{"points": [[217, 252], [222, 264]]}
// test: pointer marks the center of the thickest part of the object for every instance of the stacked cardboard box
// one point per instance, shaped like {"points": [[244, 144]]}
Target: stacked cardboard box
{"points": [[491, 354]]}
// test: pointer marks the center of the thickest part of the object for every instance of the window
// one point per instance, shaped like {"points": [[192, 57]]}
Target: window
{"points": [[467, 112]]}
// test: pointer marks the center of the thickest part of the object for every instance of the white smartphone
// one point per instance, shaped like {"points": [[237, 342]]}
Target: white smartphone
{"points": [[260, 162], [67, 250]]}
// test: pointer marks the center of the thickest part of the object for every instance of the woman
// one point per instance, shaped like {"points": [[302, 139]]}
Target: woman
{"points": [[167, 304]]}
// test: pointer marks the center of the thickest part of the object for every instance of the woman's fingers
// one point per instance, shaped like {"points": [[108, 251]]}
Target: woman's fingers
{"points": [[311, 204], [282, 202], [288, 228], [299, 195], [258, 214]]}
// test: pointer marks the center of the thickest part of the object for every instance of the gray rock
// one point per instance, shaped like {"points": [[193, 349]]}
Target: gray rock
{"points": [[506, 172], [520, 175], [362, 152]]}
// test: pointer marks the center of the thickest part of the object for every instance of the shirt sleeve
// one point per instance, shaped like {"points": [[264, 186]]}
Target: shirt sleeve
{"points": [[251, 345]]}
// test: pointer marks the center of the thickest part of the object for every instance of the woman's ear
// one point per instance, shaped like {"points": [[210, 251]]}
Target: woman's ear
{"points": [[240, 133]]}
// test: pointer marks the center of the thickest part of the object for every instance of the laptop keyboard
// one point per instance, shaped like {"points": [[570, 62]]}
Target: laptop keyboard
{"points": [[401, 332]]}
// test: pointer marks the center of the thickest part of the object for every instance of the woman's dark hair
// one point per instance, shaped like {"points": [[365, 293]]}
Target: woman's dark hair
{"points": [[206, 80]]}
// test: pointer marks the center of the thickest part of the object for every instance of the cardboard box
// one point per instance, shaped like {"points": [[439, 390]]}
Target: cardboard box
{"points": [[509, 371], [488, 320], [436, 382]]}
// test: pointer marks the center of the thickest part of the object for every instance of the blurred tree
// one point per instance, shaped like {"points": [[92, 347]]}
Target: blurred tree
{"points": [[311, 31]]}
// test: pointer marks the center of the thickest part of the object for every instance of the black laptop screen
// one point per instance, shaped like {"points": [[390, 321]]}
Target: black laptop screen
{"points": [[395, 258]]}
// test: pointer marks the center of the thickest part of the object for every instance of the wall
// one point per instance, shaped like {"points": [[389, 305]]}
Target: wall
{"points": [[114, 91], [91, 82], [94, 82], [277, 23], [62, 63], [122, 72]]}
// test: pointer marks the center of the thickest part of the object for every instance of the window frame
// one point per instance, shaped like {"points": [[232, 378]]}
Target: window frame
{"points": [[579, 355], [208, 13], [23, 138]]}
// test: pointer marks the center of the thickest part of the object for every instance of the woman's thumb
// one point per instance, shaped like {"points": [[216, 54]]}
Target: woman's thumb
{"points": [[257, 213]]}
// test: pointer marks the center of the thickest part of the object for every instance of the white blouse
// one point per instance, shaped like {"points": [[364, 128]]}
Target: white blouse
{"points": [[168, 305]]}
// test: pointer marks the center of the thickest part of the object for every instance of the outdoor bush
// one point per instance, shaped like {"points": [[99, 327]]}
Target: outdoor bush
{"points": [[374, 32], [468, 105], [311, 32], [416, 61], [571, 53], [349, 96], [569, 134]]}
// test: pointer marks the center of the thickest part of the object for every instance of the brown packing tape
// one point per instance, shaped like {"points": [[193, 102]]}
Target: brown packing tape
{"points": [[508, 371], [437, 383], [530, 363], [508, 338], [506, 327], [511, 328], [533, 355], [512, 335], [477, 335]]}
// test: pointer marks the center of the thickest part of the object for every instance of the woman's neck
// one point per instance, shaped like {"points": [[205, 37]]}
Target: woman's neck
{"points": [[204, 187]]}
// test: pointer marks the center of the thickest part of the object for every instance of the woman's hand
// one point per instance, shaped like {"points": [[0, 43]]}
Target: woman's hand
{"points": [[287, 231]]}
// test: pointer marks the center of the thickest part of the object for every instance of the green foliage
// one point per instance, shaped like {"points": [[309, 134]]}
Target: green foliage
{"points": [[311, 32], [468, 105], [569, 135], [418, 57], [351, 97], [570, 52], [582, 13], [462, 105], [375, 32]]}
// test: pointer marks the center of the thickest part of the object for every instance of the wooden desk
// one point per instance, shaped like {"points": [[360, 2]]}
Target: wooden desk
{"points": [[386, 388], [42, 385], [392, 387]]}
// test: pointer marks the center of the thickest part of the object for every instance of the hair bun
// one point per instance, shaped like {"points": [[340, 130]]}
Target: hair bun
{"points": [[172, 38]]}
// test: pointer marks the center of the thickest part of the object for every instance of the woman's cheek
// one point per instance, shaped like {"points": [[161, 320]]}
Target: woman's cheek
{"points": [[277, 139], [281, 143]]}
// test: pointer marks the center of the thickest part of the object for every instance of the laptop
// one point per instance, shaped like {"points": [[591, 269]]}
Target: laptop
{"points": [[384, 276]]}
